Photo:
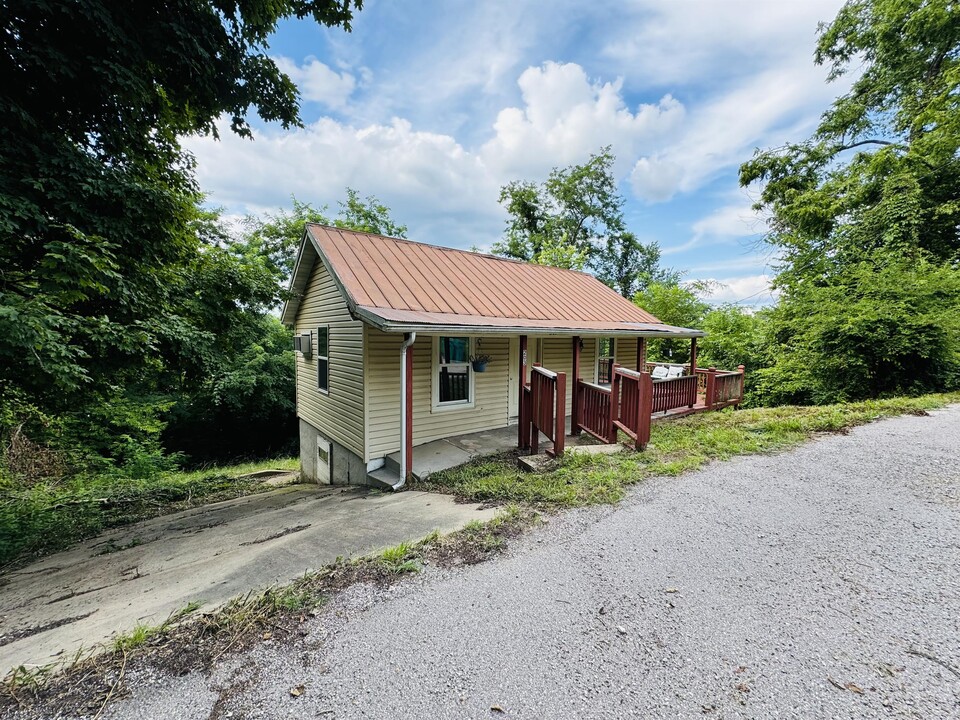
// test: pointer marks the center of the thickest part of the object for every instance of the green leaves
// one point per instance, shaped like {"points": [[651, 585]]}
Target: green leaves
{"points": [[574, 220]]}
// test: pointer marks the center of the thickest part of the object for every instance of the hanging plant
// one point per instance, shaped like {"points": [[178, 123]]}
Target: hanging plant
{"points": [[479, 362]]}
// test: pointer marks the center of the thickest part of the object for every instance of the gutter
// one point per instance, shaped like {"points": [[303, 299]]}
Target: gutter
{"points": [[408, 341]]}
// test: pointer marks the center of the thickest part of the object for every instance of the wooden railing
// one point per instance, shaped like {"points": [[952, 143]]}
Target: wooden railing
{"points": [[594, 410], [545, 408], [723, 388], [674, 393], [631, 398]]}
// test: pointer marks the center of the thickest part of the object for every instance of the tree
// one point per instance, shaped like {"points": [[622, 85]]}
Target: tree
{"points": [[673, 304], [574, 219], [276, 236], [98, 202], [876, 188]]}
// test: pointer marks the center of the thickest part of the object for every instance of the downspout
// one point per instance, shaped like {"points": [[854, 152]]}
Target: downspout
{"points": [[408, 341]]}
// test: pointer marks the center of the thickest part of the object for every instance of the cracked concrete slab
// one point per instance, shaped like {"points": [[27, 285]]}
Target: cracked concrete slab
{"points": [[142, 573]]}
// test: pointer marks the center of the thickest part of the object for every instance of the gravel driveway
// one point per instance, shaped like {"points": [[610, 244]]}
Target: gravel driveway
{"points": [[822, 582]]}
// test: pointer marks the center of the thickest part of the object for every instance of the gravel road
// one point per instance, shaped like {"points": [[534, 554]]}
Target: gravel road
{"points": [[817, 583]]}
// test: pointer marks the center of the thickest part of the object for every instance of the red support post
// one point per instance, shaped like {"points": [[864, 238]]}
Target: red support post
{"points": [[560, 414], [693, 356], [644, 410], [710, 395], [615, 382], [409, 410], [522, 433], [575, 394], [742, 370], [534, 410]]}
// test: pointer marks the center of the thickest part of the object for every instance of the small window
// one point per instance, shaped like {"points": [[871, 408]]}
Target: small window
{"points": [[453, 361], [606, 351], [323, 359]]}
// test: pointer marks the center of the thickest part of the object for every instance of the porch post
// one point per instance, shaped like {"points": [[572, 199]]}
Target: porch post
{"points": [[522, 419], [614, 404], [641, 354], [575, 389], [711, 391], [693, 356], [408, 440]]}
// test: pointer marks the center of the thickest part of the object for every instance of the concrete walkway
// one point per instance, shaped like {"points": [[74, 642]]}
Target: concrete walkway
{"points": [[142, 573]]}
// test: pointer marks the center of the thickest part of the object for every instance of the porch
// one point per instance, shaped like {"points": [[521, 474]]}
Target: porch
{"points": [[629, 402]]}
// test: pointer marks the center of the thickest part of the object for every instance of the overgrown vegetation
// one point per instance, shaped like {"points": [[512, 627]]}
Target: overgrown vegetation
{"points": [[46, 516], [676, 446]]}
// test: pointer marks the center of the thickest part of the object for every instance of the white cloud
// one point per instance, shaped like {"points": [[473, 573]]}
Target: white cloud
{"points": [[319, 83], [748, 289], [727, 224], [566, 116]]}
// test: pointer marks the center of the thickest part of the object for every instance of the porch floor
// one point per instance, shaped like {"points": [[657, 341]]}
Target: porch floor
{"points": [[451, 452]]}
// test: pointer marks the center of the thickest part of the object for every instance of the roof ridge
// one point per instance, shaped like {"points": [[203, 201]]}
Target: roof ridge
{"points": [[452, 250]]}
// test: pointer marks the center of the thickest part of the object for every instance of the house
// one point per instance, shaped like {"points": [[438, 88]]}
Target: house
{"points": [[386, 329]]}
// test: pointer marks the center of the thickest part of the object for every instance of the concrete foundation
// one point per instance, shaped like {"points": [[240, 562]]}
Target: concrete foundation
{"points": [[342, 467]]}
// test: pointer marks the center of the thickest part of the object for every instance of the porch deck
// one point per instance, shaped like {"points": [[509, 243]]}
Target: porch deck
{"points": [[451, 452]]}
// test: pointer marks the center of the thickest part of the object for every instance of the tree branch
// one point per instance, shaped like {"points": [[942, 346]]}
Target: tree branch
{"points": [[841, 148]]}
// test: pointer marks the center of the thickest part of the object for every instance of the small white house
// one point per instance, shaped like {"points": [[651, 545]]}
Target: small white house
{"points": [[389, 333]]}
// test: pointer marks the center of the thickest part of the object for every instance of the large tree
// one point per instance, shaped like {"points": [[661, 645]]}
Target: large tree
{"points": [[876, 187], [96, 194], [574, 219], [98, 203]]}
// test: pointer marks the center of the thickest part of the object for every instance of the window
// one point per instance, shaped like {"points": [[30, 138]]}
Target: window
{"points": [[605, 353], [453, 370], [323, 359]]}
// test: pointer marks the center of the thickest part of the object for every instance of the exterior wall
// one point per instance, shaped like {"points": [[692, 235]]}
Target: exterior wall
{"points": [[382, 379], [626, 352], [337, 415], [346, 467], [558, 356]]}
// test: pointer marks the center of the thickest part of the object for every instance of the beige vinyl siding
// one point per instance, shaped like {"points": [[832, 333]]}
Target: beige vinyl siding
{"points": [[626, 352], [558, 357], [382, 377], [338, 415]]}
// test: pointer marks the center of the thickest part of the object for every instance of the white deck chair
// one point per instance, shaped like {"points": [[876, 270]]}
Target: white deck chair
{"points": [[675, 371], [659, 372]]}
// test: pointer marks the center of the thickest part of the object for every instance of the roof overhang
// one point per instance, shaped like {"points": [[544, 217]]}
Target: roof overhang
{"points": [[404, 321]]}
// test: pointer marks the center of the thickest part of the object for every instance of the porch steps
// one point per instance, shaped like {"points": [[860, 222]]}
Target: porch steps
{"points": [[536, 463], [384, 478]]}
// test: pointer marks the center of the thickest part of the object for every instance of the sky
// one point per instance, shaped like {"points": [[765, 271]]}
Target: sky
{"points": [[432, 106]]}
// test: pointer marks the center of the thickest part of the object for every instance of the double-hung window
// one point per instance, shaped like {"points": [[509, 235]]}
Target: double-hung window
{"points": [[606, 350], [323, 358], [452, 371]]}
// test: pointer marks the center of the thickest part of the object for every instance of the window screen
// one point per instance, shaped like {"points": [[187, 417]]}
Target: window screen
{"points": [[454, 364]]}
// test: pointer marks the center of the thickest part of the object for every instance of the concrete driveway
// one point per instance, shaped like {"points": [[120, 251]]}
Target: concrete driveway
{"points": [[142, 573]]}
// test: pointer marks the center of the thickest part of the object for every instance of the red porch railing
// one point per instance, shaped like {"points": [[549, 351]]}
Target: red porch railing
{"points": [[594, 414], [674, 393], [631, 404], [545, 401]]}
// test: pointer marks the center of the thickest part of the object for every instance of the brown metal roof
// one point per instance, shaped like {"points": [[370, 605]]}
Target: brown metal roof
{"points": [[399, 282]]}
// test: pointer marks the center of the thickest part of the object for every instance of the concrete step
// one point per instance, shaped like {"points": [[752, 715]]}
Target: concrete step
{"points": [[384, 478], [392, 463]]}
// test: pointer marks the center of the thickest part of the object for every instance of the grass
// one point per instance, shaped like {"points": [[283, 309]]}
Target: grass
{"points": [[676, 446], [50, 516]]}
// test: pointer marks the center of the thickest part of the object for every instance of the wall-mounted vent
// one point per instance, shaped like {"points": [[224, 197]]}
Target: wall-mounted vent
{"points": [[303, 344]]}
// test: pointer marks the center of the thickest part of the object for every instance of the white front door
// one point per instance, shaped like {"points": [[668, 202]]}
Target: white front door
{"points": [[513, 383]]}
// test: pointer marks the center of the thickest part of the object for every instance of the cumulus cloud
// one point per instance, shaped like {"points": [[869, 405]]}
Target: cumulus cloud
{"points": [[566, 116], [728, 224], [319, 83]]}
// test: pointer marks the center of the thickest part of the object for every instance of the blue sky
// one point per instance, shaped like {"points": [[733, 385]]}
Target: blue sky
{"points": [[432, 106]]}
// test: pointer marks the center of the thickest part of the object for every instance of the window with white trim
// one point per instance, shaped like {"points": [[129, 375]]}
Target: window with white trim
{"points": [[323, 358], [606, 351], [452, 371]]}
